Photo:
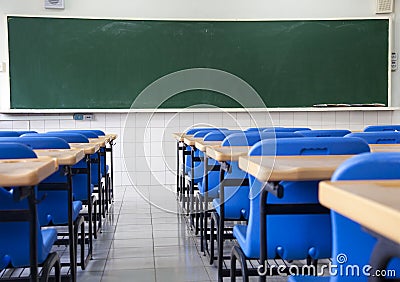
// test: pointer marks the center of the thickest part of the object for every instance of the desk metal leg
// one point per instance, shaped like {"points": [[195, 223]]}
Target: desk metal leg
{"points": [[33, 235], [90, 204], [177, 170], [71, 224]]}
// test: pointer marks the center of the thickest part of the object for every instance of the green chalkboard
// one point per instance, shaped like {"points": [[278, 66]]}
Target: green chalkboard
{"points": [[70, 63]]}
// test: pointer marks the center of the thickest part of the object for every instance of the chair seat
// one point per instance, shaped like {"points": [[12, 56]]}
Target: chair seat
{"points": [[49, 238], [232, 210]]}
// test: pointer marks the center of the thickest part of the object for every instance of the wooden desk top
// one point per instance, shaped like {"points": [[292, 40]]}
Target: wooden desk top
{"points": [[202, 145], [227, 153], [179, 136], [385, 147], [26, 172], [111, 136], [190, 140], [373, 204], [101, 141], [63, 156], [88, 148], [293, 168]]}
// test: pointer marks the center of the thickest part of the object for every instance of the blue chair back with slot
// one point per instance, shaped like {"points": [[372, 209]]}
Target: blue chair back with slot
{"points": [[313, 232], [391, 127], [25, 131], [383, 137], [15, 151], [67, 137], [324, 133], [9, 133], [38, 143], [98, 132], [286, 129], [86, 133]]}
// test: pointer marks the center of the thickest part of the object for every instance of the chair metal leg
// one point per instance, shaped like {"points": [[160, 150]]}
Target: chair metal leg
{"points": [[237, 254], [53, 260]]}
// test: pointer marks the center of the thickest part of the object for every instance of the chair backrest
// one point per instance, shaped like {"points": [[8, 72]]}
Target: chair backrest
{"points": [[250, 129], [16, 151], [391, 127], [252, 137], [348, 236], [310, 146], [38, 143], [313, 232], [286, 129], [219, 135], [382, 137], [66, 136], [192, 131], [86, 133], [324, 133], [9, 133], [98, 132], [25, 131]]}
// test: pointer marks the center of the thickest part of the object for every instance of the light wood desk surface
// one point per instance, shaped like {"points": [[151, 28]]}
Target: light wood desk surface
{"points": [[227, 153], [100, 141], [88, 148], [179, 136], [63, 156], [385, 147], [293, 168], [111, 136], [190, 140], [373, 204], [202, 145], [26, 172]]}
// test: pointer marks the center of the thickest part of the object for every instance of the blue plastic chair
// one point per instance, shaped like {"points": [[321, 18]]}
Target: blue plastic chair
{"points": [[53, 209], [286, 129], [391, 127], [38, 143], [15, 151], [313, 232], [9, 133], [84, 132], [349, 237], [14, 236], [25, 131], [324, 133], [383, 137], [67, 137], [236, 203]]}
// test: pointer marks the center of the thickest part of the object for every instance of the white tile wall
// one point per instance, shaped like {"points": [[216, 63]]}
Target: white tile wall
{"points": [[145, 151]]}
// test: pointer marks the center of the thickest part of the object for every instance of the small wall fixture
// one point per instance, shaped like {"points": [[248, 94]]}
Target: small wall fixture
{"points": [[54, 4], [384, 6]]}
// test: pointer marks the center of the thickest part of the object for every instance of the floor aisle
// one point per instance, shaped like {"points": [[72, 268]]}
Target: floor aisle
{"points": [[141, 242]]}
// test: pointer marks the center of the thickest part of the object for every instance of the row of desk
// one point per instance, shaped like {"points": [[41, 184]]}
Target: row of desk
{"points": [[25, 174], [366, 202]]}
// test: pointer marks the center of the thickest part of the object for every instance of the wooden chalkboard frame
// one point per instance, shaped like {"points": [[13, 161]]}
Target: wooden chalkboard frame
{"points": [[7, 107]]}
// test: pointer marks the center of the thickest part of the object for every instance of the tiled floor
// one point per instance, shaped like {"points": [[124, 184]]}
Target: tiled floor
{"points": [[141, 242]]}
